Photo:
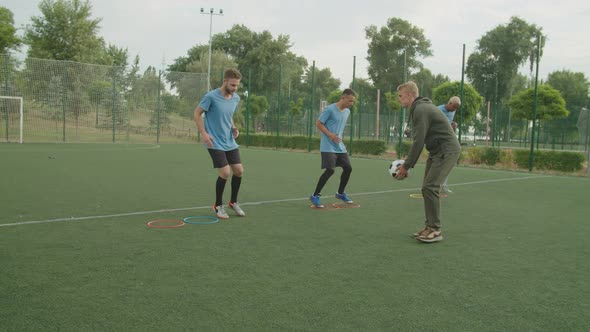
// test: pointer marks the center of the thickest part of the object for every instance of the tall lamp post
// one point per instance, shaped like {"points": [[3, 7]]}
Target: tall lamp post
{"points": [[210, 13]]}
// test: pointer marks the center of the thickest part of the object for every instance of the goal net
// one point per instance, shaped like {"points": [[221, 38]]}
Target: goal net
{"points": [[11, 119]]}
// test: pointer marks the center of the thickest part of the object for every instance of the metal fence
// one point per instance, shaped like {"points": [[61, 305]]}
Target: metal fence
{"points": [[65, 101]]}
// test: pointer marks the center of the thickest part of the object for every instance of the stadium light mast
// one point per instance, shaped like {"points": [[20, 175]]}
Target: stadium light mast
{"points": [[210, 13]]}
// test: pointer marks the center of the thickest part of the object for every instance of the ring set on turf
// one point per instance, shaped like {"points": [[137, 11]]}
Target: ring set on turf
{"points": [[175, 223], [335, 206]]}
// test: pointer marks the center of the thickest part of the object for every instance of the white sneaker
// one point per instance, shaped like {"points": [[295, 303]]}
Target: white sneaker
{"points": [[220, 212], [237, 209]]}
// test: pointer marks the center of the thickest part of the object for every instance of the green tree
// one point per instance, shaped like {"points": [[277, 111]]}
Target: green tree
{"points": [[324, 83], [365, 90], [65, 31], [574, 88], [264, 55], [499, 54], [426, 81], [387, 47], [366, 96], [471, 102], [295, 113], [493, 67], [392, 102], [550, 104], [8, 38], [194, 54], [334, 96], [219, 62], [257, 108]]}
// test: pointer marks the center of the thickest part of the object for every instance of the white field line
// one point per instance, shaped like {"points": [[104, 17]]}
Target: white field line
{"points": [[248, 203], [113, 149]]}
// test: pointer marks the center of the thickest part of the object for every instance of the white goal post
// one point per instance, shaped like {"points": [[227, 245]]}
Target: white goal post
{"points": [[20, 110]]}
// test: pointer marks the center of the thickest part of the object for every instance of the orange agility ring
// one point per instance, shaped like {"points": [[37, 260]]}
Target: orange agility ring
{"points": [[346, 205], [325, 208], [165, 223]]}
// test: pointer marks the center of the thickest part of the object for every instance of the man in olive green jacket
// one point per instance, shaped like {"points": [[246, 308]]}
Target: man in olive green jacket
{"points": [[431, 129]]}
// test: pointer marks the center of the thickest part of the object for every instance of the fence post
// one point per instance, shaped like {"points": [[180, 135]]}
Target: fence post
{"points": [[311, 107], [249, 92], [531, 155], [461, 94], [63, 105], [353, 108], [158, 108], [5, 59], [114, 96], [277, 142]]}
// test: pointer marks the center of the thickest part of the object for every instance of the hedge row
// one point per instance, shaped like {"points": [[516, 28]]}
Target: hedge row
{"points": [[564, 161], [369, 147]]}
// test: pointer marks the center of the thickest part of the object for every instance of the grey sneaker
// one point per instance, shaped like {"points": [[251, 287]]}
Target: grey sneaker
{"points": [[431, 235], [220, 212], [418, 233], [237, 209]]}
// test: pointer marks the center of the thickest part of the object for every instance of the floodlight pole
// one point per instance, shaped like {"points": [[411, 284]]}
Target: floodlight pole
{"points": [[210, 13]]}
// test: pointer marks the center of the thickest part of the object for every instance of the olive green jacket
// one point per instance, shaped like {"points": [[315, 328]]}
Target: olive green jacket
{"points": [[431, 129]]}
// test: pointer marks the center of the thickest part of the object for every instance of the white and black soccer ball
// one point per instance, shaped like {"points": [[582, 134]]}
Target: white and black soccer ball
{"points": [[393, 167]]}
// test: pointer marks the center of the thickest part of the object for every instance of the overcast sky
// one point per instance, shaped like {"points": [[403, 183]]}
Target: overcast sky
{"points": [[332, 32]]}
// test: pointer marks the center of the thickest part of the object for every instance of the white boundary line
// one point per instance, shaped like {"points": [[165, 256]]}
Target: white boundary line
{"points": [[126, 148], [248, 203]]}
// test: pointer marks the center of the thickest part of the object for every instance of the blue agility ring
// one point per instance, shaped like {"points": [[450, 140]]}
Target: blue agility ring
{"points": [[207, 220]]}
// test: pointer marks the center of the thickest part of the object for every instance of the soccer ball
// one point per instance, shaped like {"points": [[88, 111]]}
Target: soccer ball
{"points": [[394, 166]]}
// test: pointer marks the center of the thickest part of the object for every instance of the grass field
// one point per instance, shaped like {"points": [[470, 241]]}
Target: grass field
{"points": [[76, 253]]}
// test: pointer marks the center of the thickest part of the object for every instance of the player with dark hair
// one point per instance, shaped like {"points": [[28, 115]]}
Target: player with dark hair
{"points": [[331, 124]]}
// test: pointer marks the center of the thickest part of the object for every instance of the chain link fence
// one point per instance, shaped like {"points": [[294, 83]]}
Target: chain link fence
{"points": [[64, 101]]}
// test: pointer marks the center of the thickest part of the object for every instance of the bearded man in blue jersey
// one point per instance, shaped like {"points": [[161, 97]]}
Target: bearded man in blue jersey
{"points": [[219, 133]]}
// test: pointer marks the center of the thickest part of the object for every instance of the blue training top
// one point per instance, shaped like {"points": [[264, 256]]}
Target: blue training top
{"points": [[449, 115], [335, 120], [218, 118]]}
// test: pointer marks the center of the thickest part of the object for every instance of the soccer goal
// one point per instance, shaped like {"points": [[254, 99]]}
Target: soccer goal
{"points": [[11, 111]]}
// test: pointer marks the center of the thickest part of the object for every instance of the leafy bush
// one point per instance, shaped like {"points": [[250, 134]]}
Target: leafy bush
{"points": [[405, 149], [564, 161], [371, 147], [484, 155]]}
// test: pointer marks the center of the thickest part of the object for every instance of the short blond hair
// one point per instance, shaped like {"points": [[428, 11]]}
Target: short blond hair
{"points": [[455, 101], [409, 87]]}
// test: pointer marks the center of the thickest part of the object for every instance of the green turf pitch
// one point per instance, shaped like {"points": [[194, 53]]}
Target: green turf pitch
{"points": [[76, 253]]}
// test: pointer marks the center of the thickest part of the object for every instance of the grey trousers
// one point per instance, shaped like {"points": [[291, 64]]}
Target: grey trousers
{"points": [[438, 167]]}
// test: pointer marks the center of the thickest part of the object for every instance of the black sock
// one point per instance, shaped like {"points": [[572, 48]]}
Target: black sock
{"points": [[322, 181], [235, 187], [219, 186], [344, 179]]}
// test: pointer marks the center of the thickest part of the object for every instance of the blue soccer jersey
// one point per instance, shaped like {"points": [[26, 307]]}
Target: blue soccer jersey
{"points": [[335, 121], [218, 118], [449, 115]]}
